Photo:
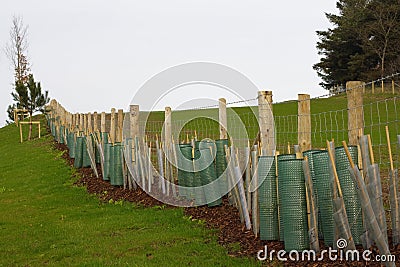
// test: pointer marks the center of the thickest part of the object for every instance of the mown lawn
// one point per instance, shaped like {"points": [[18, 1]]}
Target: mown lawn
{"points": [[47, 221]]}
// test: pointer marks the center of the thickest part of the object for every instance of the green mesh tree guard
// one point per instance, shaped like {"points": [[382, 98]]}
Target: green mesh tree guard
{"points": [[221, 165], [71, 145], [208, 175], [78, 152], [56, 134], [309, 155], [349, 189], [185, 173], [118, 178], [111, 169], [52, 126], [200, 197], [281, 226], [61, 134], [107, 153], [85, 155], [268, 199], [294, 204], [320, 161], [96, 150]]}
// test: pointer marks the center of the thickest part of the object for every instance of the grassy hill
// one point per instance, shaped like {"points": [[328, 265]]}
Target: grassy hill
{"points": [[329, 120], [46, 221]]}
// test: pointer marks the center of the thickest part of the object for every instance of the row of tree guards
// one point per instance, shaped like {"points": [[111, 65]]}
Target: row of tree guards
{"points": [[302, 198]]}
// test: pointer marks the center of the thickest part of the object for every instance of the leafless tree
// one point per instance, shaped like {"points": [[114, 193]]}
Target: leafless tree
{"points": [[380, 34], [17, 48]]}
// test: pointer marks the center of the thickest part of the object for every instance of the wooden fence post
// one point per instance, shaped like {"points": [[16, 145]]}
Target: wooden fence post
{"points": [[383, 86], [304, 122], [134, 126], [112, 126], [95, 122], [103, 122], [355, 111], [223, 125], [85, 124], [120, 125], [89, 123], [167, 146], [167, 128], [81, 122], [266, 119], [392, 86], [373, 87]]}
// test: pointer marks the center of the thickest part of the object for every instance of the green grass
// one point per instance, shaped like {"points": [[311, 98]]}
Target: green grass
{"points": [[329, 120], [45, 220]]}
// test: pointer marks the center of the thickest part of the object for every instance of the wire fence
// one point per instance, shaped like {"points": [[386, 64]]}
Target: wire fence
{"points": [[329, 121], [328, 117]]}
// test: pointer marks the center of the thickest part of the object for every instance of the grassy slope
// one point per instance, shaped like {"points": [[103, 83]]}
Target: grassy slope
{"points": [[328, 120], [44, 220]]}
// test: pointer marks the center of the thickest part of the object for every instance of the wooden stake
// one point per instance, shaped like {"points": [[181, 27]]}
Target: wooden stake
{"points": [[112, 126], [334, 169], [120, 125], [389, 148], [223, 134], [346, 149], [373, 87], [371, 152], [95, 122], [20, 131], [89, 123], [103, 122], [392, 86]]}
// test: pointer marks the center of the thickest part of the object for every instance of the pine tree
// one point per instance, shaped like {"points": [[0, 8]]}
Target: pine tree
{"points": [[362, 44]]}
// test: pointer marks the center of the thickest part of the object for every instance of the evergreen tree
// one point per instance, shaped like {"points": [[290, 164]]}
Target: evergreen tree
{"points": [[362, 44], [29, 96]]}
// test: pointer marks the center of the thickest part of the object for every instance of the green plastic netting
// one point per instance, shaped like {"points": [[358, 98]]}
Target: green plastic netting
{"points": [[281, 226], [268, 199], [107, 152], [309, 154], [85, 155], [71, 145], [78, 152], [200, 197], [61, 135], [208, 175], [221, 165], [111, 169], [185, 173], [351, 200], [294, 204], [117, 178], [322, 184]]}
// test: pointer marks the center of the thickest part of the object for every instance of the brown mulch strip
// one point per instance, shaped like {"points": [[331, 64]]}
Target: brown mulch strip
{"points": [[232, 233]]}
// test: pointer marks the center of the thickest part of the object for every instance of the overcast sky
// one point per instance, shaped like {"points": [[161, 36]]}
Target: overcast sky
{"points": [[93, 55]]}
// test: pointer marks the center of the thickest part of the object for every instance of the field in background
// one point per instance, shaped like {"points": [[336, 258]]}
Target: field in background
{"points": [[329, 120]]}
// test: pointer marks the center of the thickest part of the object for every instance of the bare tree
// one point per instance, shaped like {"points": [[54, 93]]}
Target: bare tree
{"points": [[380, 34], [16, 50]]}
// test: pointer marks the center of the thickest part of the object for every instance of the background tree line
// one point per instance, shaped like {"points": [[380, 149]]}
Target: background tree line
{"points": [[363, 44]]}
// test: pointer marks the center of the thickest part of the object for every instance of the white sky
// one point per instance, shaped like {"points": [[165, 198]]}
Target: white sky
{"points": [[93, 55]]}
